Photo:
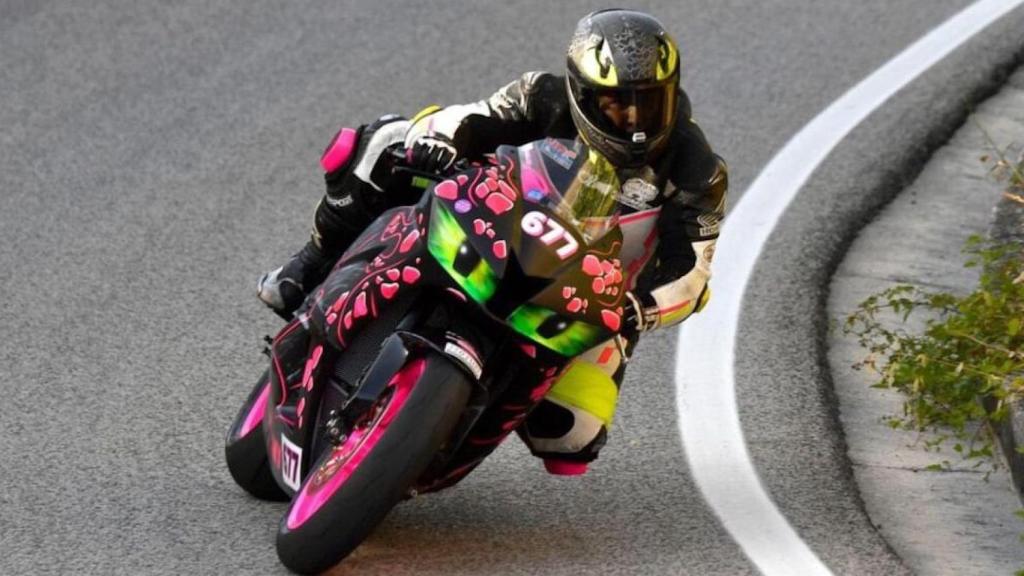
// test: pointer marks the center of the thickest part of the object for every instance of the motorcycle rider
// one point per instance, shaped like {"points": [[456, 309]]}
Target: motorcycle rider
{"points": [[620, 95]]}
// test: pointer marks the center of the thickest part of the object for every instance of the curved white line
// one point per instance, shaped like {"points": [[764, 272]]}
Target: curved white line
{"points": [[705, 384]]}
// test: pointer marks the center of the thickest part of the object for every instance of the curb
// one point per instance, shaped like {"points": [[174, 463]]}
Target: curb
{"points": [[1007, 227], [968, 520]]}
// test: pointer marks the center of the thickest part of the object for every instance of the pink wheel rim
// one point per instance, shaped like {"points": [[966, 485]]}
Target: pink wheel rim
{"points": [[255, 416], [332, 473]]}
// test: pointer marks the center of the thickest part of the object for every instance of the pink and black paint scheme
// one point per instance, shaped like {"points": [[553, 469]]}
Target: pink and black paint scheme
{"points": [[481, 282]]}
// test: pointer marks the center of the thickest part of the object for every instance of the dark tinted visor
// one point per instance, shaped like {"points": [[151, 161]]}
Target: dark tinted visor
{"points": [[621, 112]]}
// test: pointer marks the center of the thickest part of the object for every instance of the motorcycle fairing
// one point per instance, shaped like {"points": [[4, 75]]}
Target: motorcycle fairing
{"points": [[570, 294], [557, 291], [384, 264]]}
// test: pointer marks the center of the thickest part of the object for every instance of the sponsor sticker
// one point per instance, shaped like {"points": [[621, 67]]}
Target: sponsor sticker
{"points": [[638, 193], [558, 152], [465, 358], [535, 196], [708, 224], [340, 202], [291, 463]]}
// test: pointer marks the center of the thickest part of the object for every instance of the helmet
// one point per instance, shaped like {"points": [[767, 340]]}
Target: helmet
{"points": [[622, 78]]}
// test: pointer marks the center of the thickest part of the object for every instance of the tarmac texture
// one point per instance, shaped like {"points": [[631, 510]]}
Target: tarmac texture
{"points": [[156, 157]]}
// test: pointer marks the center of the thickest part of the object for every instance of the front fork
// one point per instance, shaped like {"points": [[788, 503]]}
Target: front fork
{"points": [[394, 353], [318, 393]]}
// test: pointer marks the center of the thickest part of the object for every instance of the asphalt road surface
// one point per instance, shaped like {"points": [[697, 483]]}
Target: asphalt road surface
{"points": [[157, 156]]}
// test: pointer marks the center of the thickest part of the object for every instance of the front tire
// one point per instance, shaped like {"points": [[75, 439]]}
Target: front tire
{"points": [[355, 484], [245, 449]]}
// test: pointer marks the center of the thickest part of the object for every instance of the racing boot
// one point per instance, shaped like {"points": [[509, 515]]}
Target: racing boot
{"points": [[356, 173], [285, 288]]}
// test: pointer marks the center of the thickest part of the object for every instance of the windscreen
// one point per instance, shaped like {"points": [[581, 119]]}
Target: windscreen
{"points": [[577, 184]]}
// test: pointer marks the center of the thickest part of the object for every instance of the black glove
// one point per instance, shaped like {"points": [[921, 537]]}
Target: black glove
{"points": [[432, 153]]}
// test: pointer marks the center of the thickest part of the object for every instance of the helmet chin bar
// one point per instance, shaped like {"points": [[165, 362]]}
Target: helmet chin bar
{"points": [[620, 153]]}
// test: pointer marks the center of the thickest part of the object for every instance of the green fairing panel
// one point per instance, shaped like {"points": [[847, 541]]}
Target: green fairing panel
{"points": [[575, 338], [481, 220], [445, 240]]}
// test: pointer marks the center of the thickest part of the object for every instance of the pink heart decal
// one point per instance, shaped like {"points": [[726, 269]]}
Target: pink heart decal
{"points": [[388, 289]]}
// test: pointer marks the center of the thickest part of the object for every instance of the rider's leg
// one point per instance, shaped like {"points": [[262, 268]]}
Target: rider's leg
{"points": [[569, 427], [355, 174]]}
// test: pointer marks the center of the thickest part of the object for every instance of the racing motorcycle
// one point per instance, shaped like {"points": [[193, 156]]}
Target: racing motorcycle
{"points": [[431, 340]]}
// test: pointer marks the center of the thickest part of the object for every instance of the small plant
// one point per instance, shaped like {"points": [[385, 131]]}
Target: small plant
{"points": [[964, 371], [971, 350], [960, 374]]}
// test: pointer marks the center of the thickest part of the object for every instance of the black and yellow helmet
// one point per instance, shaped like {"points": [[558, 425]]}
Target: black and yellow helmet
{"points": [[623, 77]]}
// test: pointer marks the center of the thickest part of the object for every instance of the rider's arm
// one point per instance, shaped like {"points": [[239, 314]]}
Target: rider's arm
{"points": [[526, 109], [355, 175], [688, 225]]}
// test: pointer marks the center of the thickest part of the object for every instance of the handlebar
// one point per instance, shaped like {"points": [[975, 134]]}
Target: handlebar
{"points": [[400, 165]]}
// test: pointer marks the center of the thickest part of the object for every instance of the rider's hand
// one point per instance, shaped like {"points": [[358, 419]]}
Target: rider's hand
{"points": [[432, 152], [640, 315]]}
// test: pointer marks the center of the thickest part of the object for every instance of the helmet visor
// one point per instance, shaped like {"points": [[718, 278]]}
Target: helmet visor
{"points": [[623, 112]]}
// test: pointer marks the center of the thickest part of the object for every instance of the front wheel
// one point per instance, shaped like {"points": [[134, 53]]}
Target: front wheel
{"points": [[246, 451], [355, 484]]}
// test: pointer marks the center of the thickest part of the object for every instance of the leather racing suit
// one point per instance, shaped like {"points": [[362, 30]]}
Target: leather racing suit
{"points": [[678, 204]]}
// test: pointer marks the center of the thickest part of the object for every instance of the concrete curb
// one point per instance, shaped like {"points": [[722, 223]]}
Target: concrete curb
{"points": [[958, 520], [1008, 226]]}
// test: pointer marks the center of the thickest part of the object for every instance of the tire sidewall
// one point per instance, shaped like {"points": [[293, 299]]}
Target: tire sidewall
{"points": [[246, 456]]}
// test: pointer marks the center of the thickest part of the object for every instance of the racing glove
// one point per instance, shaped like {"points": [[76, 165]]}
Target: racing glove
{"points": [[432, 152], [640, 314]]}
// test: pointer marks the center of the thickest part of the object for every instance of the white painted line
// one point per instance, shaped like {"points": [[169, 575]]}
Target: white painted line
{"points": [[705, 384]]}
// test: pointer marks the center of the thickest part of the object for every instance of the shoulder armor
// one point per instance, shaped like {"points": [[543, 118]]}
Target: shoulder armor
{"points": [[518, 99]]}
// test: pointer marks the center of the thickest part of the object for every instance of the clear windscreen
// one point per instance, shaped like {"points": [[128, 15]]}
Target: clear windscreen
{"points": [[579, 186]]}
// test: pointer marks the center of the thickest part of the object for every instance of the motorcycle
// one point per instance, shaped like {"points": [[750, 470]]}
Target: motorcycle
{"points": [[431, 340]]}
